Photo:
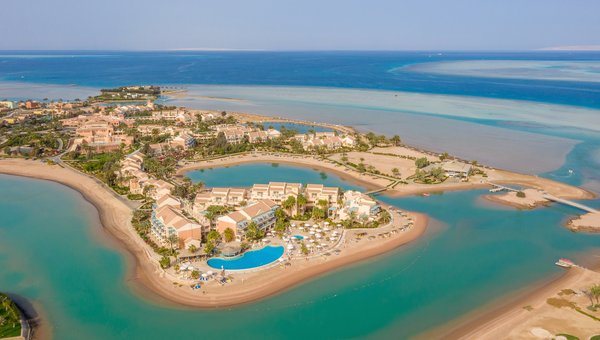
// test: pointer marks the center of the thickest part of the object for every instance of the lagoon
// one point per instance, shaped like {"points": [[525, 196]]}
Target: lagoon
{"points": [[245, 175], [477, 253]]}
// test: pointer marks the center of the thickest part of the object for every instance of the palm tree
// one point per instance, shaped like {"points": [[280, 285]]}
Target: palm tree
{"points": [[173, 239], [192, 248], [301, 202], [288, 204], [385, 217], [596, 292]]}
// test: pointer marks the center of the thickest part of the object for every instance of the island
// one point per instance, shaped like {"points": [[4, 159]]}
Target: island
{"points": [[218, 246]]}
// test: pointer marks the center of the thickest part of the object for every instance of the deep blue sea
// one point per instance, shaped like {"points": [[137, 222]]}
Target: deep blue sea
{"points": [[364, 70]]}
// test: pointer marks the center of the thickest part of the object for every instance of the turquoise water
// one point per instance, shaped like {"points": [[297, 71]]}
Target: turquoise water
{"points": [[301, 128], [54, 253], [249, 260], [246, 175], [478, 252]]}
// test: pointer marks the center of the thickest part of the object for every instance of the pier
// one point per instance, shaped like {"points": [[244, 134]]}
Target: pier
{"points": [[570, 203]]}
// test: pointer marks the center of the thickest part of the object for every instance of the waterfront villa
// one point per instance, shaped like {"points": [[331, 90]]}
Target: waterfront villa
{"points": [[219, 196], [328, 140], [275, 191], [168, 221], [262, 213], [359, 204], [317, 192], [456, 169]]}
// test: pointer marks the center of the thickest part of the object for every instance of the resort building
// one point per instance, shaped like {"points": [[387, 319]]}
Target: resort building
{"points": [[132, 172], [168, 221], [169, 200], [183, 141], [237, 133], [159, 187], [7, 104], [317, 192], [275, 191], [100, 136], [219, 196], [456, 169], [327, 140], [359, 205], [262, 213]]}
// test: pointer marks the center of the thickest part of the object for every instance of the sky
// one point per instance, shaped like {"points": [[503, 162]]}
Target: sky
{"points": [[298, 25]]}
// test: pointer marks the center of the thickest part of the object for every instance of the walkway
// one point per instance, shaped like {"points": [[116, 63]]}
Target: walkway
{"points": [[570, 203]]}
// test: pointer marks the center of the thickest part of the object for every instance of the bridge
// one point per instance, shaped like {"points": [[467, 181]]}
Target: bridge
{"points": [[570, 203], [376, 191], [550, 198]]}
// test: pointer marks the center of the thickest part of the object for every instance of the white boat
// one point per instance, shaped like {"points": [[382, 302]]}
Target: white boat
{"points": [[565, 263]]}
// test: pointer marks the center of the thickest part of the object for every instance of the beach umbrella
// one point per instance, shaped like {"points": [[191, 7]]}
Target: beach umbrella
{"points": [[306, 225], [318, 236], [293, 224], [315, 225], [324, 244], [326, 223], [312, 232], [204, 275]]}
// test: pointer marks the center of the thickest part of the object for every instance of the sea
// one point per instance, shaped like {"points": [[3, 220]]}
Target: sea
{"points": [[533, 112]]}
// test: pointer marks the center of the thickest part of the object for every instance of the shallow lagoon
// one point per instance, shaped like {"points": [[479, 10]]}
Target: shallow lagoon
{"points": [[59, 259], [246, 175]]}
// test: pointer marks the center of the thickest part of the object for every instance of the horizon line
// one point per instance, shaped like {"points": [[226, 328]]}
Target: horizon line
{"points": [[544, 49]]}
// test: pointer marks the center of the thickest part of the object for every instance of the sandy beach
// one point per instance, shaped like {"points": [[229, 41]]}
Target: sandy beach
{"points": [[374, 182], [369, 182], [115, 216], [512, 321]]}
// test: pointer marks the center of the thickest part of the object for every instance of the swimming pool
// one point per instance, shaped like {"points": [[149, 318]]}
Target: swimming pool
{"points": [[251, 259], [298, 237]]}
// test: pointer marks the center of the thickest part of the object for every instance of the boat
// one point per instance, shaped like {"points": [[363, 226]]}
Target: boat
{"points": [[426, 194], [565, 263]]}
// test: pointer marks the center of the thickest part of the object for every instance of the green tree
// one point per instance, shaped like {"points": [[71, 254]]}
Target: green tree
{"points": [[304, 249], [288, 204], [396, 172], [192, 248], [228, 234], [596, 292], [173, 239], [195, 274], [165, 262], [318, 214], [213, 236], [520, 194], [253, 232], [396, 140], [281, 226], [301, 202], [421, 162], [209, 247]]}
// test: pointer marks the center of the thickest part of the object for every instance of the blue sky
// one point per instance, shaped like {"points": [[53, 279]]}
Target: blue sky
{"points": [[299, 25]]}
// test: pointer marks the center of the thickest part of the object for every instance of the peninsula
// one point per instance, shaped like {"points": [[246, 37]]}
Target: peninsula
{"points": [[220, 246]]}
